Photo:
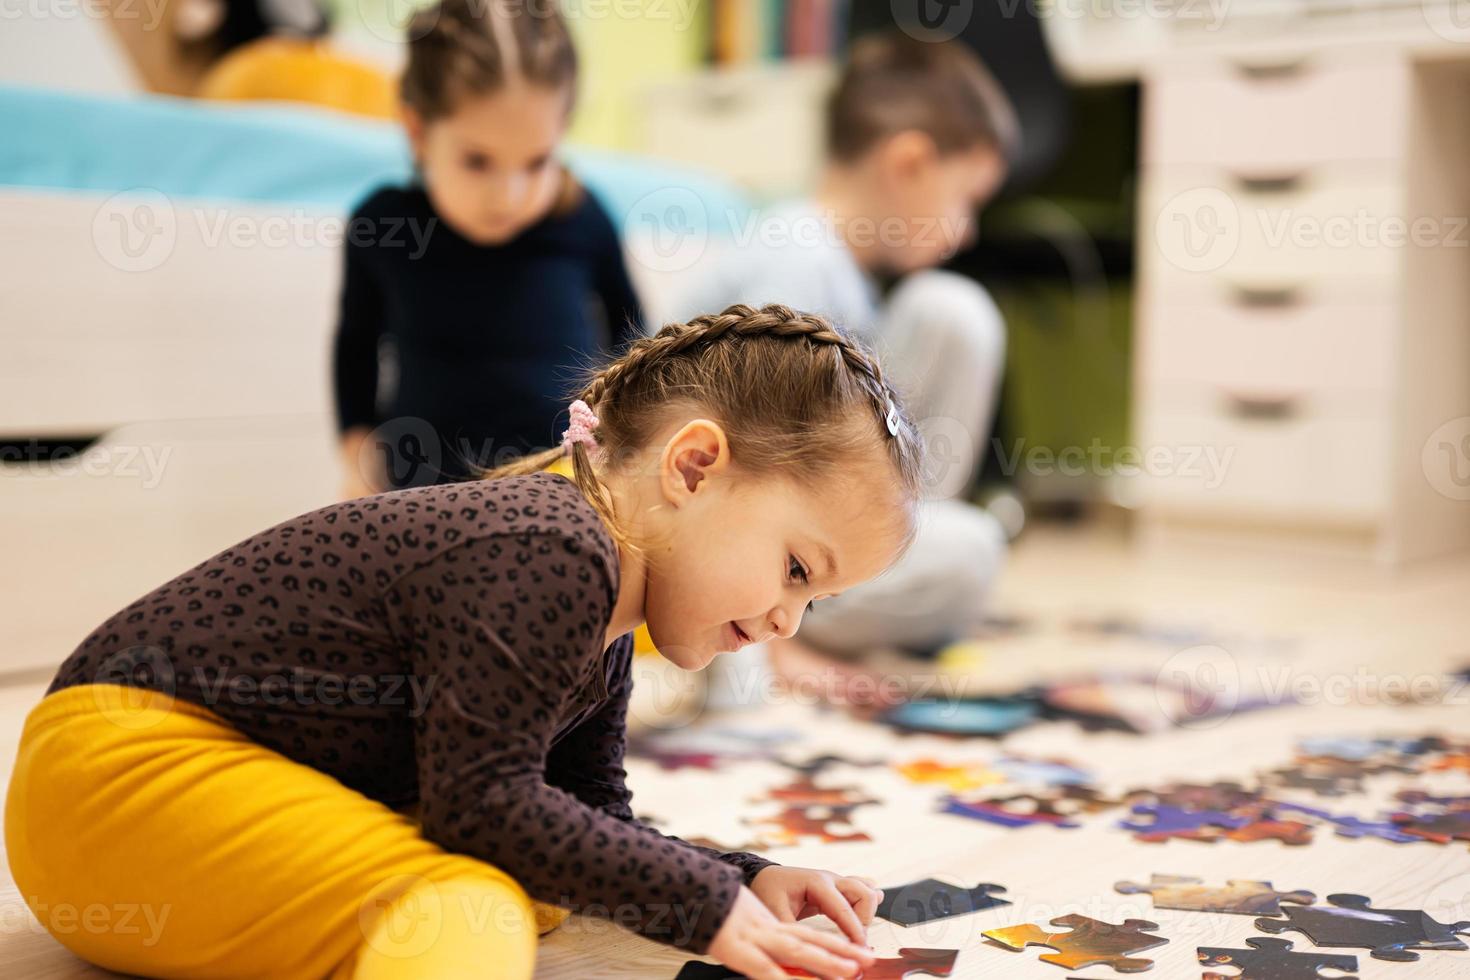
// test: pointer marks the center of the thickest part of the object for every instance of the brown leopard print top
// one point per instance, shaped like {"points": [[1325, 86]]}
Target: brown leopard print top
{"points": [[445, 645]]}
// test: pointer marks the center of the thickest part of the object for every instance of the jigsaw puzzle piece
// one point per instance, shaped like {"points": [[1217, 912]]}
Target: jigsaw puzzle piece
{"points": [[1089, 942], [1172, 821], [1238, 897], [959, 778], [796, 822], [910, 962], [1272, 959], [1392, 934], [1292, 832], [930, 899], [1439, 828], [997, 812]]}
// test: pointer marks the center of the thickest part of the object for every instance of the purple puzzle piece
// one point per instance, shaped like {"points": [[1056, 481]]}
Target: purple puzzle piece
{"points": [[1173, 821], [1351, 826]]}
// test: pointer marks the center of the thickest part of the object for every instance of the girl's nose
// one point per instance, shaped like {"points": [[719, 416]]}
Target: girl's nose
{"points": [[785, 624]]}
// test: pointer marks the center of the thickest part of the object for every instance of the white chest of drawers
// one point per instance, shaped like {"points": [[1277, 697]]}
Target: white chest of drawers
{"points": [[1304, 296]]}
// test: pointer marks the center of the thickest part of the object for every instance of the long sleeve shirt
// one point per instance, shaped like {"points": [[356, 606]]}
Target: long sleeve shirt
{"points": [[444, 645]]}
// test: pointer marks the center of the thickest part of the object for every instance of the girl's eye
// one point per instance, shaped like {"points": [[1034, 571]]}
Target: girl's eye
{"points": [[477, 161], [796, 570]]}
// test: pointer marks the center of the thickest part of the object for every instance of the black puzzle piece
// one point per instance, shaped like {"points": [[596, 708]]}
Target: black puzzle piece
{"points": [[931, 899], [1272, 959]]}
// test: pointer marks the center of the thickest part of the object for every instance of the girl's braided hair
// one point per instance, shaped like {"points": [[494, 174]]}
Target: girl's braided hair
{"points": [[477, 47], [796, 395]]}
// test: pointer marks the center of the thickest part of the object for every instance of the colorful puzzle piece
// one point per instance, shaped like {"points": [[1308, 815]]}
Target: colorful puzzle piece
{"points": [[1441, 828], [1237, 896], [1351, 826], [956, 777], [1171, 822], [1391, 934], [996, 812], [1272, 959], [1292, 832], [930, 899], [909, 962], [1089, 941], [796, 822], [805, 792]]}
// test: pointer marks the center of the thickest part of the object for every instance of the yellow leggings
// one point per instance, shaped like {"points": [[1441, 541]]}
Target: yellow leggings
{"points": [[152, 838]]}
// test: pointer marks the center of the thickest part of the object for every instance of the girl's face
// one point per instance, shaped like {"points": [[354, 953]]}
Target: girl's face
{"points": [[736, 559], [489, 165]]}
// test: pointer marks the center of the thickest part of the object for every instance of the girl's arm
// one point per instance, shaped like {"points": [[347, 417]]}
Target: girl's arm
{"points": [[355, 347], [588, 763], [614, 287], [506, 631]]}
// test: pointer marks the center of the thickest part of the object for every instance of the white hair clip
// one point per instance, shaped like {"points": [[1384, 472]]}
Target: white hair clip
{"points": [[892, 418]]}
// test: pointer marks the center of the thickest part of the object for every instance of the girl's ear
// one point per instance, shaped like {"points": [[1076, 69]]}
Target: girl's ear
{"points": [[905, 157], [415, 127], [696, 452]]}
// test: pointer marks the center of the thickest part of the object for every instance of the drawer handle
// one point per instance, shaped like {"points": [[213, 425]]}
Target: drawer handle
{"points": [[40, 450], [1262, 296], [1270, 71], [1270, 183], [1257, 407], [721, 101]]}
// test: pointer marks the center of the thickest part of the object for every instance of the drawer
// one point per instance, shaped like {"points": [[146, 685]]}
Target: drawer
{"points": [[728, 122], [1269, 342], [213, 327], [1303, 459], [1305, 231], [151, 500], [1292, 111]]}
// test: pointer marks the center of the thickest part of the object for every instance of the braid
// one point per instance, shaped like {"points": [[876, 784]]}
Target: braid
{"points": [[742, 321]]}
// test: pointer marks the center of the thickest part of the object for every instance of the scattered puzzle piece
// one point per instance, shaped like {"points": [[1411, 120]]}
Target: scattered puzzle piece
{"points": [[1351, 826], [1171, 821], [805, 792], [958, 778], [1237, 896], [1441, 828], [819, 764], [1292, 832], [1390, 933], [910, 962], [930, 899], [996, 812], [1272, 959], [796, 822], [1192, 796], [1089, 942]]}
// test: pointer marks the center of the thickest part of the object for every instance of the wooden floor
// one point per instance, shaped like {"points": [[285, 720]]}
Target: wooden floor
{"points": [[1335, 635]]}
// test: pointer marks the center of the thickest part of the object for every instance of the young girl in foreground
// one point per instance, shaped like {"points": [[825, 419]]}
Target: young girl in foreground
{"points": [[227, 756]]}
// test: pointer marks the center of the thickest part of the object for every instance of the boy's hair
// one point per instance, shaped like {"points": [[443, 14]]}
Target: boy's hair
{"points": [[894, 83], [461, 48], [797, 397]]}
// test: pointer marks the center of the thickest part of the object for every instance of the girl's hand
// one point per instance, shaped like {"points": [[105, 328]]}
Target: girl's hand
{"points": [[795, 893], [753, 941]]}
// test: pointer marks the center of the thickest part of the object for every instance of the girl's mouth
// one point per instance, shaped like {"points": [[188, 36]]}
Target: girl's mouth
{"points": [[740, 638]]}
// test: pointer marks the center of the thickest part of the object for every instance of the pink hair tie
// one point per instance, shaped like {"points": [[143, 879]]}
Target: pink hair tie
{"points": [[583, 424]]}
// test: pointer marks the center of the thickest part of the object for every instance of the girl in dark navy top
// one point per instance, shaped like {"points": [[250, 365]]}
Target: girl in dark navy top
{"points": [[487, 284]]}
